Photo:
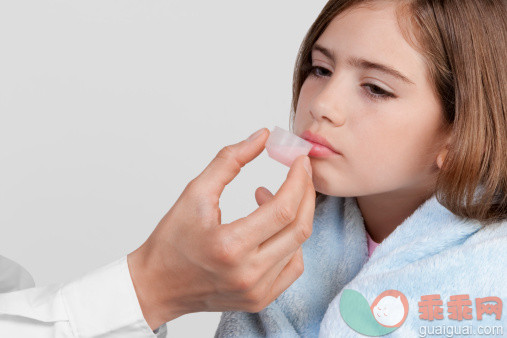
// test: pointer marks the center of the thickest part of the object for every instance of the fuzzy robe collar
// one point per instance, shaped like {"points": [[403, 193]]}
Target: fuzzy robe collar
{"points": [[432, 252]]}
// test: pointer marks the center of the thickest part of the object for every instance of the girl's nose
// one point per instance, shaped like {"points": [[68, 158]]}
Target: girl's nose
{"points": [[329, 103]]}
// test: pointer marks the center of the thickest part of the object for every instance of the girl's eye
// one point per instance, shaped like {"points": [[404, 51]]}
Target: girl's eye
{"points": [[374, 92], [319, 71], [377, 93]]}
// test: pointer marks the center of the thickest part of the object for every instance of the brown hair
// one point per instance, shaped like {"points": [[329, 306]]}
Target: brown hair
{"points": [[464, 44]]}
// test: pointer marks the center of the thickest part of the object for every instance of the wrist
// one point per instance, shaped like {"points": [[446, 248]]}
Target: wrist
{"points": [[152, 294]]}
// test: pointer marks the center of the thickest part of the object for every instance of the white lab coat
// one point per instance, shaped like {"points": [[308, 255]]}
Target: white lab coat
{"points": [[102, 303]]}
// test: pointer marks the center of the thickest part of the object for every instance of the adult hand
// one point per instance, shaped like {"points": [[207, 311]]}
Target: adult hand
{"points": [[192, 262]]}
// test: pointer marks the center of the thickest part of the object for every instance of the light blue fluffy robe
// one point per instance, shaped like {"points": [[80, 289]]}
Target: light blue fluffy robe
{"points": [[432, 252]]}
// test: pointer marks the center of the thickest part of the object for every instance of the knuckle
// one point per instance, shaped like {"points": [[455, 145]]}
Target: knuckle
{"points": [[243, 283], [254, 296], [224, 251], [305, 233], [226, 152], [193, 188], [285, 214], [255, 300], [191, 185]]}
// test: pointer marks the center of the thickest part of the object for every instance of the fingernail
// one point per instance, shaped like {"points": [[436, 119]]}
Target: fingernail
{"points": [[308, 166], [255, 135]]}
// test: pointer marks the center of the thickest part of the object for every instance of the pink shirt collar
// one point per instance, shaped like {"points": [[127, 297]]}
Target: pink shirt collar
{"points": [[371, 244]]}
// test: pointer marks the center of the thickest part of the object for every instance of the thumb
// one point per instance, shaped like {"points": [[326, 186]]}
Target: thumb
{"points": [[228, 163]]}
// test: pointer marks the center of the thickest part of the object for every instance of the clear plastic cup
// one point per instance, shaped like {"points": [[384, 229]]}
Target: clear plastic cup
{"points": [[284, 146]]}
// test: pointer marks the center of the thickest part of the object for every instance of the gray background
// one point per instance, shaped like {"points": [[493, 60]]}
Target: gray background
{"points": [[109, 108]]}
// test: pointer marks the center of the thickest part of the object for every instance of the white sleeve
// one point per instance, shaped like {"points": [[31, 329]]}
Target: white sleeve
{"points": [[102, 303]]}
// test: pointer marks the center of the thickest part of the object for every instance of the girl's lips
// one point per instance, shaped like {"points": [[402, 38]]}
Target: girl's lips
{"points": [[319, 150], [321, 142]]}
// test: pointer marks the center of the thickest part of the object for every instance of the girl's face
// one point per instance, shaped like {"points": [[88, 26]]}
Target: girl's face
{"points": [[369, 96]]}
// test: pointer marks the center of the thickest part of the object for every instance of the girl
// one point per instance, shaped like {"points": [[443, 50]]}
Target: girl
{"points": [[409, 98]]}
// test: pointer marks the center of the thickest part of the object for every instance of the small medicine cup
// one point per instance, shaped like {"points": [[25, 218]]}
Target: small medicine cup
{"points": [[284, 146]]}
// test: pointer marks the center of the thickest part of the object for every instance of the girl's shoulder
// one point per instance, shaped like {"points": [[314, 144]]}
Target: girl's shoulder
{"points": [[491, 232]]}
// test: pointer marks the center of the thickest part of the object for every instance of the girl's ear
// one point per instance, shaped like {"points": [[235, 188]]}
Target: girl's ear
{"points": [[443, 153], [441, 157]]}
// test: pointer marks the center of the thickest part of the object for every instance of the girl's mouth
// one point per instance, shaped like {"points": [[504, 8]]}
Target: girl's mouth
{"points": [[319, 150]]}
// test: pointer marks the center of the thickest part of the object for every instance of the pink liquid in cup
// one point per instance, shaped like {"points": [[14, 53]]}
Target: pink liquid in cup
{"points": [[284, 146]]}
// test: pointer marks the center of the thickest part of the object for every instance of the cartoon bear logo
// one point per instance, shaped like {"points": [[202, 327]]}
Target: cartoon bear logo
{"points": [[390, 308]]}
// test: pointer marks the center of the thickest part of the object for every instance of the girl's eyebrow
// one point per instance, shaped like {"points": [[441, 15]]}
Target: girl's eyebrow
{"points": [[363, 63]]}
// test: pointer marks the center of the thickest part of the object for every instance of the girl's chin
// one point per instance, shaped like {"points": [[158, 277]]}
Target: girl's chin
{"points": [[335, 192], [323, 186]]}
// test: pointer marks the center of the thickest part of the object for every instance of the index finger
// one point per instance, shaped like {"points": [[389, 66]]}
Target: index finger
{"points": [[275, 214], [228, 163]]}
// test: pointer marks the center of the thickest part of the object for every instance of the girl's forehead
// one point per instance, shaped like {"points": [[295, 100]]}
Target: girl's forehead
{"points": [[373, 25], [373, 34]]}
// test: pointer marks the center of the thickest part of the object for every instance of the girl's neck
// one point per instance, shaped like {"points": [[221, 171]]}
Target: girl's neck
{"points": [[382, 213]]}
